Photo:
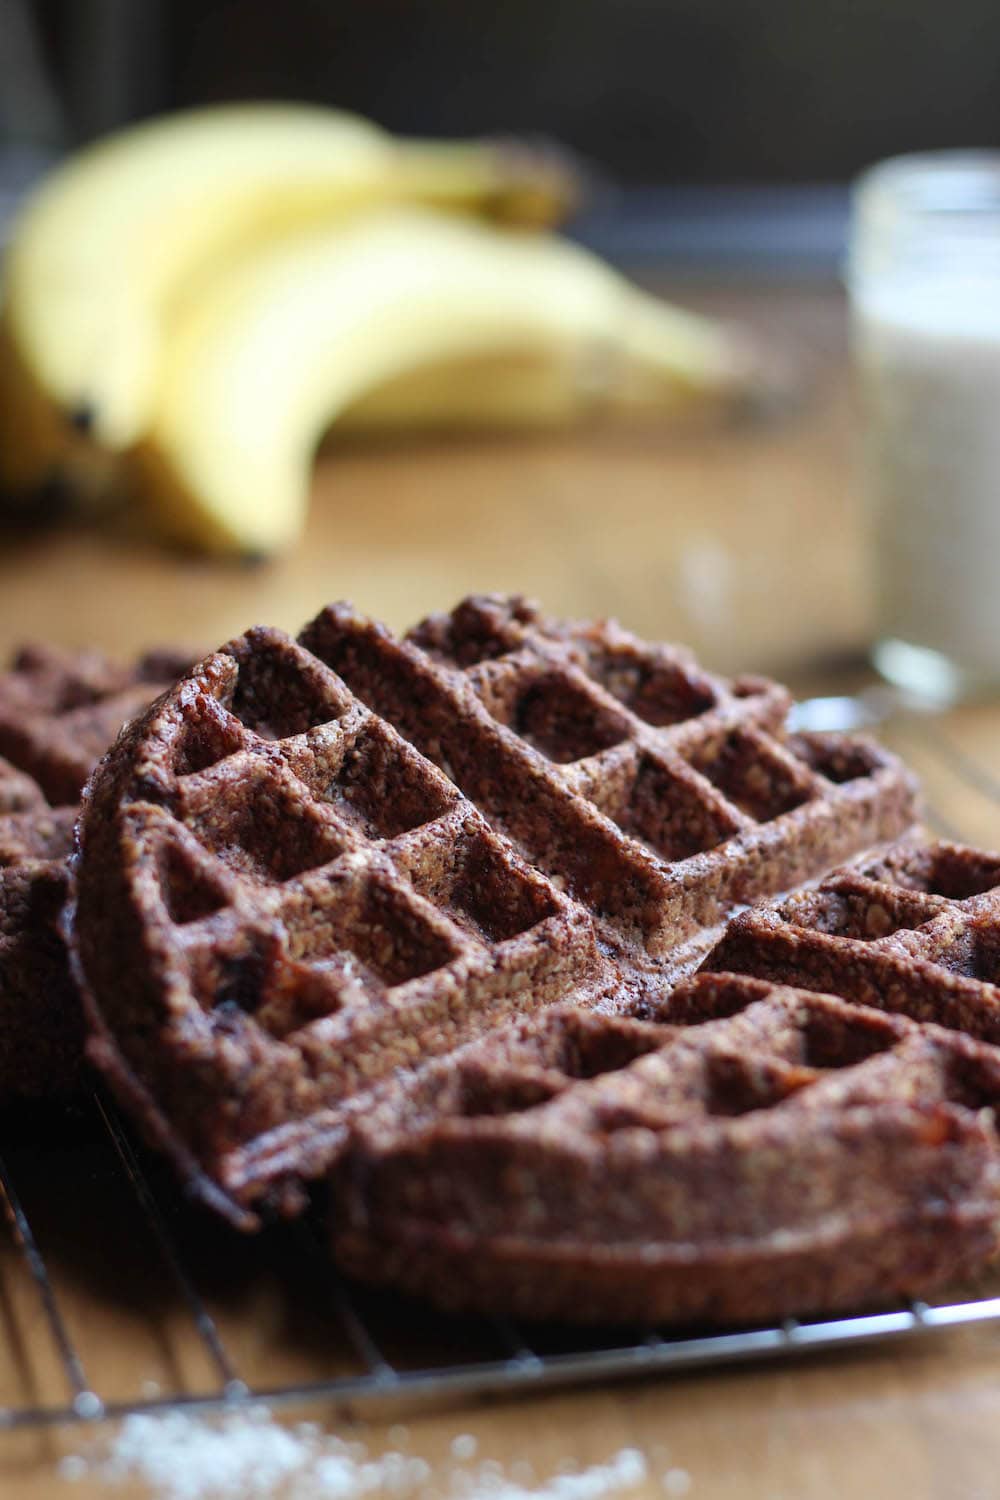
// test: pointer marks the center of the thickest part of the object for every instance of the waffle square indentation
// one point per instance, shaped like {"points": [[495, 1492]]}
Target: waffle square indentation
{"points": [[364, 923], [587, 1046], [861, 915], [477, 630], [835, 758], [947, 870], [974, 953], [281, 691], [259, 822], [201, 743], [739, 1085], [480, 1092], [831, 1038], [559, 718], [480, 887], [657, 690], [757, 782], [376, 784], [189, 893], [670, 814]]}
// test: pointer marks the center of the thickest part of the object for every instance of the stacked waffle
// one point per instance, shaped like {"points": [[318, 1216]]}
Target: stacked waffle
{"points": [[422, 919], [59, 711]]}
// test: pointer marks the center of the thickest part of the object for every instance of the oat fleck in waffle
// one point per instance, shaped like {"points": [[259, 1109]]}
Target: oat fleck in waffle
{"points": [[282, 906], [59, 711], [744, 1152]]}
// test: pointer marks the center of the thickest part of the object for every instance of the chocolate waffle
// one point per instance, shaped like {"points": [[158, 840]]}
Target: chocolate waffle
{"points": [[41, 1027], [914, 930], [59, 711], [658, 795], [743, 1152], [281, 906]]}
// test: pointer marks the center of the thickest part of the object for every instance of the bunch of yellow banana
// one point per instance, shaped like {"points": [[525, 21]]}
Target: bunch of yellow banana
{"points": [[189, 305]]}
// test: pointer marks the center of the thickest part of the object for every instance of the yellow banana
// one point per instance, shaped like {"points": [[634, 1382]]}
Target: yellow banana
{"points": [[291, 336], [106, 252]]}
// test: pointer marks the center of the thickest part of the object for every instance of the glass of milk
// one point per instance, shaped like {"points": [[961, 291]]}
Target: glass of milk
{"points": [[924, 281]]}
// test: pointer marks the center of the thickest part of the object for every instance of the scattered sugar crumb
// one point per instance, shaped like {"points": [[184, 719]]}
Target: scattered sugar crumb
{"points": [[677, 1481], [704, 585], [247, 1455]]}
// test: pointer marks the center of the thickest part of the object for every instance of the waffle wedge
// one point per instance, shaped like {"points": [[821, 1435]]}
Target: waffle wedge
{"points": [[808, 1124], [744, 1152]]}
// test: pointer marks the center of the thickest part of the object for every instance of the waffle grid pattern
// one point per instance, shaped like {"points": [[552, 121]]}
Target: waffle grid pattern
{"points": [[724, 1046], [915, 931], [303, 905], [657, 795], [325, 904], [60, 710], [769, 1135]]}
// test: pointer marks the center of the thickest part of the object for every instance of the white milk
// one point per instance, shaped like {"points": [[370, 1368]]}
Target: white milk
{"points": [[929, 356], [925, 292]]}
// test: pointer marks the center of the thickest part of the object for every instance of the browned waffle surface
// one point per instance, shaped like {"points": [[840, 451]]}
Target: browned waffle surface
{"points": [[748, 1152], [41, 1028], [916, 930], [657, 795], [281, 904], [59, 711]]}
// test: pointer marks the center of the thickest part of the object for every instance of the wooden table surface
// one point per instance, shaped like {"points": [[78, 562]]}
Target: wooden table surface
{"points": [[747, 543]]}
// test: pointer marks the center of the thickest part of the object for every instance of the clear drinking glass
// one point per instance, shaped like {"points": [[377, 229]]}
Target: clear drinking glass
{"points": [[924, 282]]}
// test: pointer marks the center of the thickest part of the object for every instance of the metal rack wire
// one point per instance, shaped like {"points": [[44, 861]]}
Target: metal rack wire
{"points": [[512, 1363], [496, 1356]]}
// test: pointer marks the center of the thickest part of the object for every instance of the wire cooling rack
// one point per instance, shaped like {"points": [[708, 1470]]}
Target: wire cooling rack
{"points": [[96, 1226], [496, 1356]]}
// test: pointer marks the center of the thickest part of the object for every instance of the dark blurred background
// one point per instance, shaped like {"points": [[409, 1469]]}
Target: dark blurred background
{"points": [[667, 100], [676, 91]]}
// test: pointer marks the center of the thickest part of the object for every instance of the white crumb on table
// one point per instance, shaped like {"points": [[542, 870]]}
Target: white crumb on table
{"points": [[677, 1481], [247, 1455]]}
